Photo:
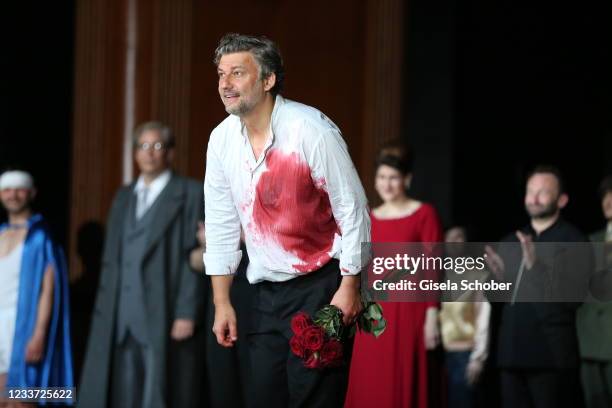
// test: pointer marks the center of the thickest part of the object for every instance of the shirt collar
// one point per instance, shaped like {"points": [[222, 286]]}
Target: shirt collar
{"points": [[278, 102], [533, 233], [159, 181], [609, 229]]}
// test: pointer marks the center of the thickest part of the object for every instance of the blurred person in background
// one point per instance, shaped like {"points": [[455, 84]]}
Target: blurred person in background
{"points": [[143, 343], [35, 349], [537, 350], [464, 326], [396, 365], [595, 320]]}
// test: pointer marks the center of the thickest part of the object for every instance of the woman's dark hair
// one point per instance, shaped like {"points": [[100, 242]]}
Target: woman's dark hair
{"points": [[396, 156]]}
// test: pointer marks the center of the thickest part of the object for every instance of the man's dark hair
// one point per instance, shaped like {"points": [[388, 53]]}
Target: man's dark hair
{"points": [[549, 169], [264, 51], [606, 186]]}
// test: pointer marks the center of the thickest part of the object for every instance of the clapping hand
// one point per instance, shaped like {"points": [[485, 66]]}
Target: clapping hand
{"points": [[495, 263], [201, 234], [528, 249]]}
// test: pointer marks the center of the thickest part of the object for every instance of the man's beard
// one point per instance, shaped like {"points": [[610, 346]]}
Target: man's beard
{"points": [[240, 110], [15, 207], [243, 107], [543, 212], [247, 103]]}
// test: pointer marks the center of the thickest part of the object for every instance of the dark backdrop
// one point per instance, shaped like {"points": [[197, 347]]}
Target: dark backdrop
{"points": [[527, 83], [36, 39]]}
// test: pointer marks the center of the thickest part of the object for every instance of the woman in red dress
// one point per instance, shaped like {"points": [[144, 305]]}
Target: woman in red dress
{"points": [[392, 370]]}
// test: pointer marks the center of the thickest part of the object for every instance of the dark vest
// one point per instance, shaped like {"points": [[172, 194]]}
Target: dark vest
{"points": [[131, 311]]}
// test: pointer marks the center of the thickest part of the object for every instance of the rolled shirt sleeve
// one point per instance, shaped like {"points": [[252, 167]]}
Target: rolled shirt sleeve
{"points": [[330, 161], [222, 222]]}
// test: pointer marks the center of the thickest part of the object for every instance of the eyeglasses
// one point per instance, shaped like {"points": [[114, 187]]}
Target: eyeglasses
{"points": [[146, 146]]}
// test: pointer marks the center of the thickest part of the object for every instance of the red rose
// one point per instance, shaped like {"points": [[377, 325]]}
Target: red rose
{"points": [[299, 322], [297, 347], [312, 361], [313, 337], [331, 353]]}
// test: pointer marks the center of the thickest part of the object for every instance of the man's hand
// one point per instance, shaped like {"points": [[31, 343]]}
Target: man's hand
{"points": [[225, 328], [431, 330], [201, 234], [348, 299], [182, 329], [528, 249], [35, 349], [495, 263]]}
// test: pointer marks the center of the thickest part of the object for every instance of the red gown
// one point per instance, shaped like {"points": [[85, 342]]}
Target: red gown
{"points": [[391, 371]]}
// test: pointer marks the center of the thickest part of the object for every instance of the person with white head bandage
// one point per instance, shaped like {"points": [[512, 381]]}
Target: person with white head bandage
{"points": [[35, 346]]}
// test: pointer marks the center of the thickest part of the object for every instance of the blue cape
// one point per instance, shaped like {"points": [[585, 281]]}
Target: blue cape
{"points": [[55, 368]]}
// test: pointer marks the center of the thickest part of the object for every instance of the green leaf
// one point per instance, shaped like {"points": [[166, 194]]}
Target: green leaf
{"points": [[366, 326], [367, 294], [375, 311], [330, 319], [380, 328]]}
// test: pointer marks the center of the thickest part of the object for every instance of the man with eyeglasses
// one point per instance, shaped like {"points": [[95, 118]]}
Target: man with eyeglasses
{"points": [[142, 344]]}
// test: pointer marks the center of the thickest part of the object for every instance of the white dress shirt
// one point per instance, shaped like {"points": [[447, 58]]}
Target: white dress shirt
{"points": [[300, 204], [146, 195]]}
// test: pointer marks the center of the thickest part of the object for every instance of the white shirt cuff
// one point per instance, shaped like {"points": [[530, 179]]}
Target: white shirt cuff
{"points": [[222, 263]]}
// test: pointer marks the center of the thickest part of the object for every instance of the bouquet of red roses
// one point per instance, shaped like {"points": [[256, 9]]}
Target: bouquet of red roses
{"points": [[318, 341]]}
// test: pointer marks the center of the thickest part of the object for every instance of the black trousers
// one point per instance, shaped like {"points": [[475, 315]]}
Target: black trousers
{"points": [[278, 378], [551, 388]]}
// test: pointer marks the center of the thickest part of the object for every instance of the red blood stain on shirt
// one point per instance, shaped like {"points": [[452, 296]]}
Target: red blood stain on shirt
{"points": [[294, 211]]}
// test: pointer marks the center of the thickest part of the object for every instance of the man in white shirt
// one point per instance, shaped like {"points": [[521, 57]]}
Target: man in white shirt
{"points": [[141, 343], [281, 170]]}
